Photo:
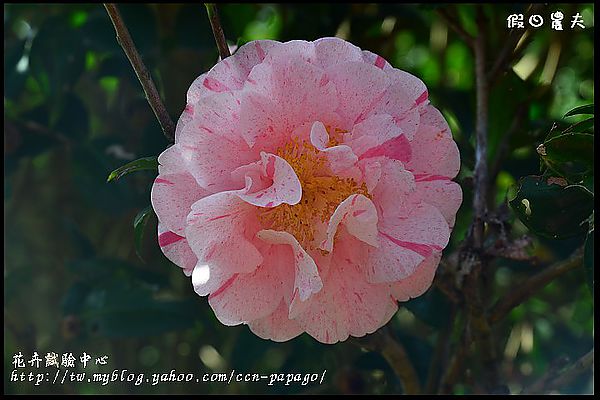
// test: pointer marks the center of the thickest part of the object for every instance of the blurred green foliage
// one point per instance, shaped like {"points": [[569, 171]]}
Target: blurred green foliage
{"points": [[74, 112]]}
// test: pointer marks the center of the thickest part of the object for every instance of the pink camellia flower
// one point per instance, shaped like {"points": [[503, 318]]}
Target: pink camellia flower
{"points": [[308, 190]]}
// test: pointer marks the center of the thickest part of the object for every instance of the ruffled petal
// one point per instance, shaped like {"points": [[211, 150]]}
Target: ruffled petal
{"points": [[441, 193], [330, 51], [222, 222], [434, 151], [406, 238], [347, 305], [177, 249], [340, 157], [307, 280], [359, 216], [417, 283], [276, 326], [357, 96], [270, 182]]}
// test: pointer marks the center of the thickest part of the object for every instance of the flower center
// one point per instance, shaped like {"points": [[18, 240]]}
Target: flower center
{"points": [[322, 192]]}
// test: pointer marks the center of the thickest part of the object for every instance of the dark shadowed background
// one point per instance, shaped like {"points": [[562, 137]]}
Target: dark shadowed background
{"points": [[74, 111]]}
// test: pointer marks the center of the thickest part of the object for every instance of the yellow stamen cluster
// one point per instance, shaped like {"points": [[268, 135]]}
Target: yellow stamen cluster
{"points": [[322, 192]]}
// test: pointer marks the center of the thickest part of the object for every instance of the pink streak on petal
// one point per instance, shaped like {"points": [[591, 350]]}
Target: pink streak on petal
{"points": [[167, 238], [396, 149], [223, 288], [161, 180], [214, 85], [427, 178], [422, 97], [424, 250], [379, 62]]}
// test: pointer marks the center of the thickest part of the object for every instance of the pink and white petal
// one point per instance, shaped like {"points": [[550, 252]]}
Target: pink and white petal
{"points": [[218, 114], [434, 153], [359, 216], [177, 249], [331, 51], [212, 159], [376, 60], [395, 188], [431, 116], [219, 223], [417, 283], [172, 196], [347, 305], [372, 132], [276, 326], [231, 73], [441, 193], [303, 50], [405, 240], [208, 278], [340, 157], [275, 104], [307, 280], [409, 85], [170, 161], [285, 186], [197, 90], [371, 172], [359, 87], [247, 297]]}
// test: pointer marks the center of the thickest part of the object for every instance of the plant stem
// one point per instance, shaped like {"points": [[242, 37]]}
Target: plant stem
{"points": [[142, 73], [215, 23], [392, 350], [557, 379], [533, 284]]}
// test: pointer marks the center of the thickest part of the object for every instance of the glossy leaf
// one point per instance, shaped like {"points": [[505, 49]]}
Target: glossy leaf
{"points": [[141, 164], [551, 208], [570, 155], [585, 110]]}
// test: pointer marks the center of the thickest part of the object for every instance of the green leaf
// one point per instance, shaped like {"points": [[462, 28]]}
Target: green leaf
{"points": [[146, 163], [582, 126], [588, 260], [570, 155], [550, 208], [586, 109], [139, 223]]}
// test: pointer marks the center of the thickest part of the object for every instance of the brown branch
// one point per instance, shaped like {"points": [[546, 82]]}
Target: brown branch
{"points": [[533, 284], [142, 73], [439, 356], [215, 23], [557, 378], [481, 131], [453, 23], [509, 51], [392, 350]]}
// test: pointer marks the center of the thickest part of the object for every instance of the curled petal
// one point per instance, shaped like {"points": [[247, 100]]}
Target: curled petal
{"points": [[340, 157], [177, 249], [417, 283]]}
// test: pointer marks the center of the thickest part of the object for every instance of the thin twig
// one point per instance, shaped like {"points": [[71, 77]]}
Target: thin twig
{"points": [[556, 379], [509, 51], [142, 73], [532, 285], [439, 356], [392, 350], [215, 23], [455, 26]]}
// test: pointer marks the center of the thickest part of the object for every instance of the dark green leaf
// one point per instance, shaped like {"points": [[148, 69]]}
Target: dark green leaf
{"points": [[139, 223], [582, 126], [570, 155], [146, 163], [552, 210], [586, 109], [588, 260]]}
